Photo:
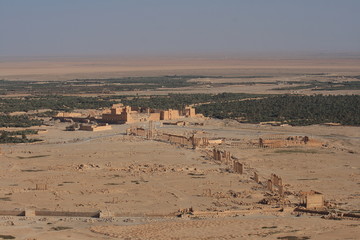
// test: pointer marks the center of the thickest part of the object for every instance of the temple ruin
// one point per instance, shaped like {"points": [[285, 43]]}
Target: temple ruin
{"points": [[222, 156], [312, 199], [120, 114]]}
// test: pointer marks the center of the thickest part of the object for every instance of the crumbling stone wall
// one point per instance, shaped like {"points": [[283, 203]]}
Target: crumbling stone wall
{"points": [[222, 156], [118, 115], [189, 112], [94, 127], [269, 185], [256, 177], [291, 141], [275, 184], [170, 114], [238, 167], [136, 131], [276, 180], [151, 133]]}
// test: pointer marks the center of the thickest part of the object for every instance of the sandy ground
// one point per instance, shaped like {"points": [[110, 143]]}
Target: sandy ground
{"points": [[255, 227], [143, 183], [250, 227]]}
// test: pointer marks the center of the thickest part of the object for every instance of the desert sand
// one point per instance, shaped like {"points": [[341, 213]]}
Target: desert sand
{"points": [[144, 188], [61, 68], [143, 183]]}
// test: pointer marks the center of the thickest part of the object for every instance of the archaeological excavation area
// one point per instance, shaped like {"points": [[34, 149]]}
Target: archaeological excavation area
{"points": [[179, 120], [201, 152], [148, 176]]}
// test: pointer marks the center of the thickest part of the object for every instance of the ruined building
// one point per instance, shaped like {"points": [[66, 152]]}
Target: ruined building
{"points": [[312, 199], [169, 114], [189, 112], [94, 127], [120, 114]]}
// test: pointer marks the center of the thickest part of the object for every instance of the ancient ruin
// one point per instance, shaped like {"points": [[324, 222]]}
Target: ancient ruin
{"points": [[151, 133], [256, 177], [276, 180], [280, 141], [222, 156], [120, 114], [274, 184], [312, 199], [95, 127], [270, 185], [238, 167]]}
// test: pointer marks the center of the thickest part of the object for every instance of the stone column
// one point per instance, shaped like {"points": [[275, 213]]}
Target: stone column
{"points": [[281, 190], [270, 185], [256, 177]]}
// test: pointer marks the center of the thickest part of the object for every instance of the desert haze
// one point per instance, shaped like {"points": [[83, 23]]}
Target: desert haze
{"points": [[65, 68]]}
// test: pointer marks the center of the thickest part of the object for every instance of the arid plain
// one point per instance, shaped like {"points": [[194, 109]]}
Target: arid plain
{"points": [[148, 189]]}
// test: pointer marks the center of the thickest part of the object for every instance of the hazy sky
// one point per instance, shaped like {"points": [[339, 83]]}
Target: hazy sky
{"points": [[168, 27]]}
